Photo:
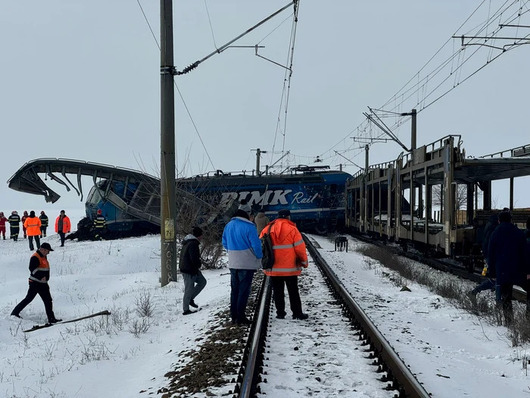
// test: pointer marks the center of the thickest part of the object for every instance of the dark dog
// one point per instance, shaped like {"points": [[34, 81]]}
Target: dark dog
{"points": [[341, 243]]}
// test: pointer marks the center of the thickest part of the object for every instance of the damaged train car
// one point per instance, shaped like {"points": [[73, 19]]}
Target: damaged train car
{"points": [[130, 199]]}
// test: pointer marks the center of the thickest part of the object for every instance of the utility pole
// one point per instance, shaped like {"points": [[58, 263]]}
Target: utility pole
{"points": [[412, 195], [167, 147], [258, 158]]}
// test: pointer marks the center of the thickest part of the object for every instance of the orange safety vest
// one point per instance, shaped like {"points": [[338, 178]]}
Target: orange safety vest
{"points": [[289, 249], [32, 225], [66, 224], [42, 270]]}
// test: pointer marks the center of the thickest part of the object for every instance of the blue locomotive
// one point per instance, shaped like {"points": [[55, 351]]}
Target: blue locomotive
{"points": [[130, 200]]}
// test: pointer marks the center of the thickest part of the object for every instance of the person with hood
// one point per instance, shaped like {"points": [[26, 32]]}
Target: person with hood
{"points": [[23, 219], [189, 264], [241, 241], [14, 225], [62, 226], [32, 228], [43, 224], [261, 220], [289, 257], [506, 256], [39, 269], [3, 221]]}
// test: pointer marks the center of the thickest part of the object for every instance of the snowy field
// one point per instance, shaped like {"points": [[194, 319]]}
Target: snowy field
{"points": [[127, 355]]}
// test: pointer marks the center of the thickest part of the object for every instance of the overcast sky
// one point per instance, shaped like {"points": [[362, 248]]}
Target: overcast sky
{"points": [[80, 80]]}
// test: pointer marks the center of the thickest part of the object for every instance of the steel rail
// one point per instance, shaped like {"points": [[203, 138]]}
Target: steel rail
{"points": [[246, 386], [397, 370], [456, 267]]}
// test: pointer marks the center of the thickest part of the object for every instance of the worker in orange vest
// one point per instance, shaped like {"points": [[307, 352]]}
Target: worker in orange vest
{"points": [[62, 225], [32, 228], [289, 258]]}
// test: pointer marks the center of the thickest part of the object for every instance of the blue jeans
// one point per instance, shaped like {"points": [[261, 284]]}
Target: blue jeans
{"points": [[488, 284], [240, 283]]}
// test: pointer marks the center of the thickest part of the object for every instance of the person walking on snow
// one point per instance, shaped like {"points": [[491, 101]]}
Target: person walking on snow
{"points": [[23, 219], [14, 225], [3, 221], [506, 256], [189, 264], [32, 227], [489, 271], [289, 258], [241, 241], [39, 269], [100, 225], [62, 226], [43, 223]]}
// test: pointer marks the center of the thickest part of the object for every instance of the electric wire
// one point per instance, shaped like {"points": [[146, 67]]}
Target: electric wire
{"points": [[178, 90], [210, 23], [286, 90], [419, 86]]}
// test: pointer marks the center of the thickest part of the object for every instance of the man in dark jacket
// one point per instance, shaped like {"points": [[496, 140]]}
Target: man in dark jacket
{"points": [[14, 225], [43, 223], [527, 267], [99, 226], [39, 269], [189, 264], [489, 271], [506, 255]]}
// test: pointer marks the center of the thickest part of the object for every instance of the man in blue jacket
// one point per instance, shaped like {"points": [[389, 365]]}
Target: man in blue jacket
{"points": [[506, 256], [241, 241]]}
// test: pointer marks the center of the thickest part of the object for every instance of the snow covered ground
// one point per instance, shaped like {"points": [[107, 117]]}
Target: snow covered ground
{"points": [[454, 353]]}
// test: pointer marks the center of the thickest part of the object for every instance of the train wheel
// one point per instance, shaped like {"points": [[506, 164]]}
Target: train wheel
{"points": [[321, 229]]}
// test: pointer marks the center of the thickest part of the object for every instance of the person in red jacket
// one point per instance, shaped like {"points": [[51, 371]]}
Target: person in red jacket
{"points": [[289, 257], [62, 226], [3, 221], [23, 219]]}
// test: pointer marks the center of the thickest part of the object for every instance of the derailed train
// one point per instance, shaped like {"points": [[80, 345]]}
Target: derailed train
{"points": [[395, 200], [130, 200], [391, 201]]}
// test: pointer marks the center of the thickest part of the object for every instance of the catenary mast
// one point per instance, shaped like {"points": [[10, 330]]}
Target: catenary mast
{"points": [[167, 147]]}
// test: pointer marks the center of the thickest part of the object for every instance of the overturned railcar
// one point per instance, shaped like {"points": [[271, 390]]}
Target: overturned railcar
{"points": [[130, 200], [418, 200]]}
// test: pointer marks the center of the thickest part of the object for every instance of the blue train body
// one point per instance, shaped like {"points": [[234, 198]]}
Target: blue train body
{"points": [[316, 199]]}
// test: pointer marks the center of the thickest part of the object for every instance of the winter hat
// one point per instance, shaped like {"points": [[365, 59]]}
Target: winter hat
{"points": [[46, 246], [32, 213], [505, 216], [245, 207], [284, 213], [99, 211], [197, 231]]}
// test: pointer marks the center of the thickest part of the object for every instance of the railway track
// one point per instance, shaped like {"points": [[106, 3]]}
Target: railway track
{"points": [[453, 266], [315, 357]]}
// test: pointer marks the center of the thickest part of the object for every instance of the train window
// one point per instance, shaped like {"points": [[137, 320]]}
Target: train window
{"points": [[333, 188]]}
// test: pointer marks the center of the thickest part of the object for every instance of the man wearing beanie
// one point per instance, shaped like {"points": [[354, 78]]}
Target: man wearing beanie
{"points": [[289, 258], [32, 226], [189, 264], [241, 241]]}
